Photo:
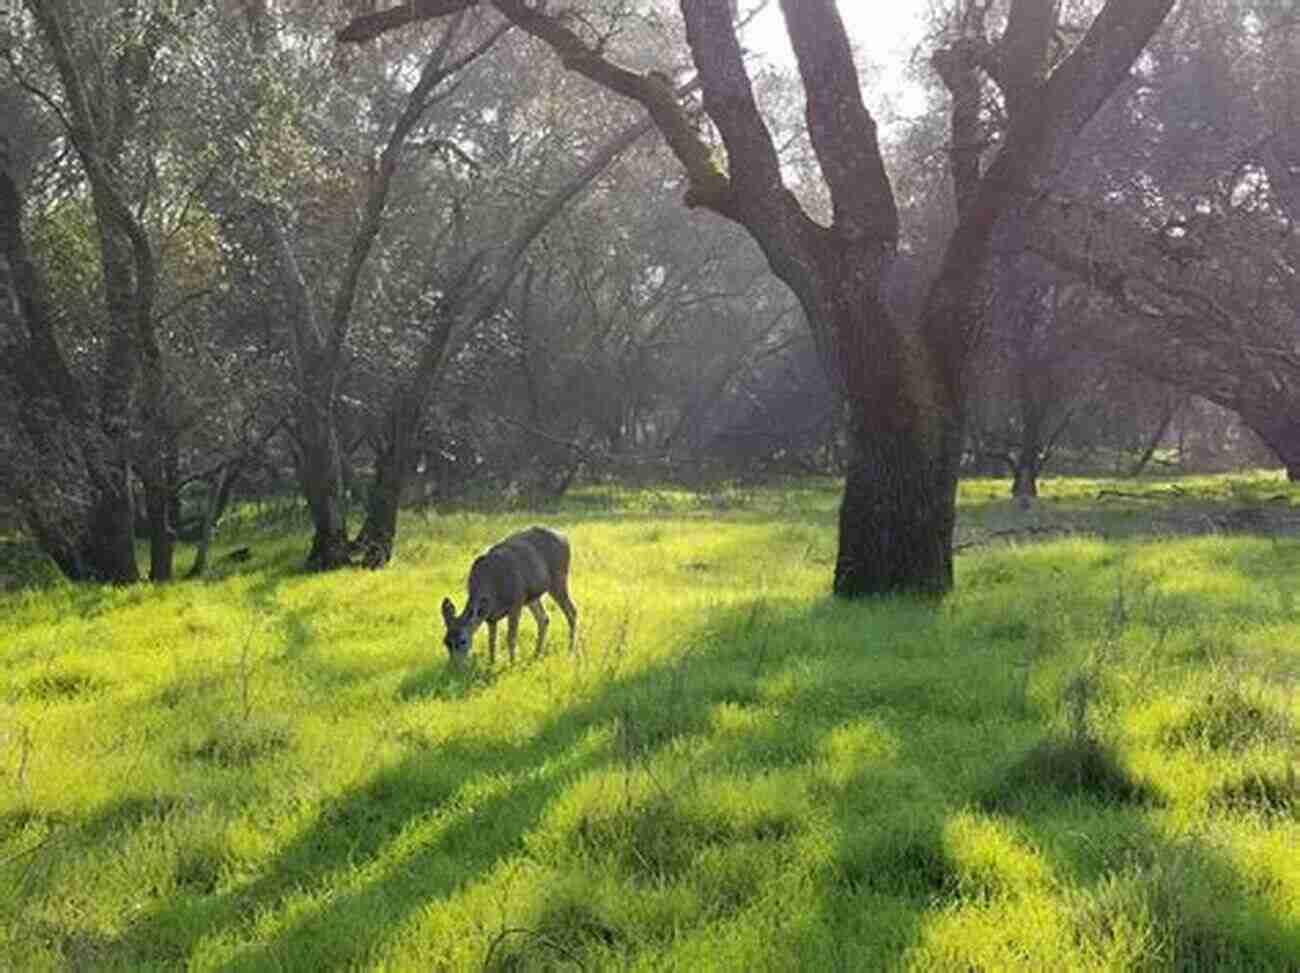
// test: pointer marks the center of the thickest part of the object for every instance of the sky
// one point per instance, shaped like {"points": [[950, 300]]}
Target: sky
{"points": [[884, 33]]}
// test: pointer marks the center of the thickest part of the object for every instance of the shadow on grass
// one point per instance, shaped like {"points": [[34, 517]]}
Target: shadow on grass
{"points": [[1064, 768], [40, 839], [445, 681], [425, 792], [411, 836]]}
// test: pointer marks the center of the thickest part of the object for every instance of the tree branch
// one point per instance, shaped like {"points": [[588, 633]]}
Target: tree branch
{"points": [[842, 131], [369, 26], [1022, 55], [435, 71]]}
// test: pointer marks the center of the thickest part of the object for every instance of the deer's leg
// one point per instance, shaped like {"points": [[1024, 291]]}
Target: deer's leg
{"points": [[492, 643], [542, 619], [512, 632], [561, 596]]}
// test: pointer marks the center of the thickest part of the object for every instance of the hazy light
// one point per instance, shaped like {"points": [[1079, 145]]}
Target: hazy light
{"points": [[884, 36]]}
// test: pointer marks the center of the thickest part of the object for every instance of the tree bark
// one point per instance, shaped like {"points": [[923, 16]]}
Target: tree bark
{"points": [[159, 473], [1024, 480], [897, 515], [377, 540], [319, 457], [321, 478]]}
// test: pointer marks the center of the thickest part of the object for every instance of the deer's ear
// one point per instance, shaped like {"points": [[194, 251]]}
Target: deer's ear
{"points": [[480, 608], [448, 611]]}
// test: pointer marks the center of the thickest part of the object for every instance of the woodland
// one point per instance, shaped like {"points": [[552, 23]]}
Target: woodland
{"points": [[382, 258], [304, 304]]}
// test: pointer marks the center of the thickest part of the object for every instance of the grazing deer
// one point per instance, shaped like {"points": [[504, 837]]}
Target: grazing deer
{"points": [[509, 575]]}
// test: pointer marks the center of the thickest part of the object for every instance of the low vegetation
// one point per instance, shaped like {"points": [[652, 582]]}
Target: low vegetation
{"points": [[1085, 758]]}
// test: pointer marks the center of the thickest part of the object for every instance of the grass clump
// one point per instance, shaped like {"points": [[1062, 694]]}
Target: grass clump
{"points": [[238, 743], [1232, 719], [1267, 792], [53, 687], [1181, 911], [663, 836], [1070, 765], [573, 929]]}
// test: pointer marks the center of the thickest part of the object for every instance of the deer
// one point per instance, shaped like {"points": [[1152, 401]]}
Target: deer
{"points": [[505, 578]]}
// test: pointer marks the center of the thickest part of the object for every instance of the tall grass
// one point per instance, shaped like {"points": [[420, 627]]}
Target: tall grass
{"points": [[1085, 758]]}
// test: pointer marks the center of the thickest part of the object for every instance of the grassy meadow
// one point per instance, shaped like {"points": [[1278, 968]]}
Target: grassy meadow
{"points": [[1086, 758]]}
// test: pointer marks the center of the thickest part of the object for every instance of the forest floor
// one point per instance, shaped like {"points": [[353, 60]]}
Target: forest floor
{"points": [[1087, 757]]}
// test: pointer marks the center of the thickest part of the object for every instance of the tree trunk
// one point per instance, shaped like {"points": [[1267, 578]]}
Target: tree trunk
{"points": [[76, 499], [377, 540], [108, 548], [321, 479], [204, 541], [162, 535], [1149, 452], [1281, 434], [904, 431], [214, 509], [316, 367], [160, 496], [1029, 457], [1024, 481], [898, 512]]}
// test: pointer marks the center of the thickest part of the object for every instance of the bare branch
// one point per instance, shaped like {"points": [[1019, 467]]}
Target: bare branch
{"points": [[369, 26]]}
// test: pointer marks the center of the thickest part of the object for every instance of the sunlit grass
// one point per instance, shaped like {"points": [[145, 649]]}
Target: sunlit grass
{"points": [[1085, 758]]}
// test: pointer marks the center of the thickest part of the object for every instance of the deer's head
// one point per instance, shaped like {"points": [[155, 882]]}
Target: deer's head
{"points": [[461, 628]]}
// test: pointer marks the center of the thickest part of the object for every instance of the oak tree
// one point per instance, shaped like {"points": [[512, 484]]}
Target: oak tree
{"points": [[901, 382]]}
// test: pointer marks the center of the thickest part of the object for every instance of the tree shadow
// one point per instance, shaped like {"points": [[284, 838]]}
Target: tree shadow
{"points": [[39, 836], [357, 828], [409, 836], [446, 681]]}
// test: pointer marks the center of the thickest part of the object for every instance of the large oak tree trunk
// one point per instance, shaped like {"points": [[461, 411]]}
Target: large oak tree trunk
{"points": [[903, 426], [897, 515]]}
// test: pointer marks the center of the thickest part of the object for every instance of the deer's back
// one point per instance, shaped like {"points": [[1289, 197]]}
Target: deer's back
{"points": [[520, 568]]}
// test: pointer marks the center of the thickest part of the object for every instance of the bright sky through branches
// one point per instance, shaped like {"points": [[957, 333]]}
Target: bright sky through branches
{"points": [[884, 35]]}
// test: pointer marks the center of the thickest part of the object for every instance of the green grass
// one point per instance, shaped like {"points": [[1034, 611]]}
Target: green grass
{"points": [[1086, 758]]}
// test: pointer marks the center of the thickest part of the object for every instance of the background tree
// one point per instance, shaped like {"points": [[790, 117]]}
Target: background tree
{"points": [[101, 74], [1032, 376], [1181, 217]]}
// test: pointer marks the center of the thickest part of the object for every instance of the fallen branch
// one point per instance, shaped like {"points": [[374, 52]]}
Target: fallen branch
{"points": [[1153, 495], [1013, 532]]}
